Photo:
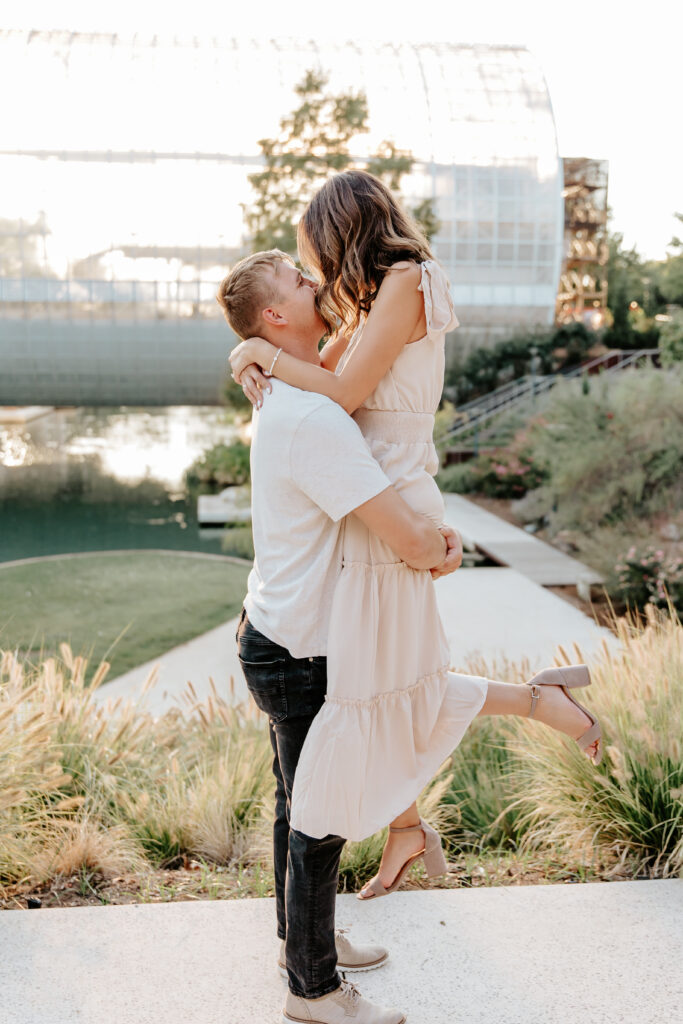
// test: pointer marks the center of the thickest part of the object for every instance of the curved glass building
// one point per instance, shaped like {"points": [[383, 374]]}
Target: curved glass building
{"points": [[124, 166]]}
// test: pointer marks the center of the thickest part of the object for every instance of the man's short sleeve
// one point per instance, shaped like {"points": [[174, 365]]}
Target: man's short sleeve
{"points": [[331, 462]]}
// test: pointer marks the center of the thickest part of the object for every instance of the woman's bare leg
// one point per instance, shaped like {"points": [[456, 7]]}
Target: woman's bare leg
{"points": [[399, 847], [554, 709]]}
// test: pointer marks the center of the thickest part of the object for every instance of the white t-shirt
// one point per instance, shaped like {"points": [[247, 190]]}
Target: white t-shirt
{"points": [[310, 467]]}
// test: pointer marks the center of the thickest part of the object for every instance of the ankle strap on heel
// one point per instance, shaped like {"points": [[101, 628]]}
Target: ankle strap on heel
{"points": [[535, 696], [408, 828]]}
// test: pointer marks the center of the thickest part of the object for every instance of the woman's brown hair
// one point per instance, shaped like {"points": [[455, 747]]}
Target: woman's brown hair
{"points": [[351, 233]]}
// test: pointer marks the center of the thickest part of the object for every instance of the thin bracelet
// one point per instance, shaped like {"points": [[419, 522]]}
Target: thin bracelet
{"points": [[269, 373]]}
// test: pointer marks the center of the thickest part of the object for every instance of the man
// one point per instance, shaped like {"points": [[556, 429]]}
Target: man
{"points": [[311, 467]]}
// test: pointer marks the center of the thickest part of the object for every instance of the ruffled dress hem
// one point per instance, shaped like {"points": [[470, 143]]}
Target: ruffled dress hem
{"points": [[426, 722]]}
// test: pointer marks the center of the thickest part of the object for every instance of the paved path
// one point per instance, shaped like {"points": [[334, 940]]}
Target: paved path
{"points": [[501, 616], [496, 615], [209, 656], [557, 954], [510, 546], [493, 614]]}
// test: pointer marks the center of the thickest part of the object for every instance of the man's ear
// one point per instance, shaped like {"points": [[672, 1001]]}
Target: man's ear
{"points": [[272, 317]]}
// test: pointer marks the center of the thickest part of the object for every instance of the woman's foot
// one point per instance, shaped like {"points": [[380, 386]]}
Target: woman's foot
{"points": [[398, 849], [559, 711]]}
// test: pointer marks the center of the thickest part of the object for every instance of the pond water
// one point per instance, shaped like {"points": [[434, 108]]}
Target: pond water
{"points": [[105, 479]]}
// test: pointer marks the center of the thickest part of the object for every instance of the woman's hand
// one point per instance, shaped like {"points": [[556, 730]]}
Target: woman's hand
{"points": [[453, 559], [253, 350], [254, 384]]}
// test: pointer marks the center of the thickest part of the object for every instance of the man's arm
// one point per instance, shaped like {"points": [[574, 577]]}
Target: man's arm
{"points": [[412, 536], [331, 463]]}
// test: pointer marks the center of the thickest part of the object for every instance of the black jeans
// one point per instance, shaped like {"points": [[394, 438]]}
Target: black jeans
{"points": [[291, 691]]}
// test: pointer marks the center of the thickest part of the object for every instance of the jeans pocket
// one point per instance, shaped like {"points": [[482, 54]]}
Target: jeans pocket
{"points": [[243, 615], [264, 672]]}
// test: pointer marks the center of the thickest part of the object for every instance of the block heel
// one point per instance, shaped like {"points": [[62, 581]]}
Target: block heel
{"points": [[570, 677], [432, 856]]}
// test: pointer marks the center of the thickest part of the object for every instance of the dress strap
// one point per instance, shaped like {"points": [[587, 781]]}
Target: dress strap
{"points": [[439, 308]]}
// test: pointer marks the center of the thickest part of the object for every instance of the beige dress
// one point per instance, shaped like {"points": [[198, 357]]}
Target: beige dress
{"points": [[393, 711]]}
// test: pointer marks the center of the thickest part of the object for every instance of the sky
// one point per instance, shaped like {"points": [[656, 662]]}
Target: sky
{"points": [[612, 68]]}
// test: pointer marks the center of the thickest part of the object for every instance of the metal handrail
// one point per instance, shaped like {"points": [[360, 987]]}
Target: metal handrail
{"points": [[482, 409]]}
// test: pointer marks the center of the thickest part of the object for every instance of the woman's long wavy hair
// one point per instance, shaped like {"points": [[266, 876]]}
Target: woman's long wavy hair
{"points": [[351, 233]]}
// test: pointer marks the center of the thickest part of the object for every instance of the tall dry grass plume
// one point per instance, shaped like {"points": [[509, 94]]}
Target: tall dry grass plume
{"points": [[109, 788], [629, 812]]}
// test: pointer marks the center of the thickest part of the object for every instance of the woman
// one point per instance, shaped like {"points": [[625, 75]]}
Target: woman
{"points": [[394, 711]]}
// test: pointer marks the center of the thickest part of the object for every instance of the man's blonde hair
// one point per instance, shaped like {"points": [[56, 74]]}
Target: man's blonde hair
{"points": [[247, 290]]}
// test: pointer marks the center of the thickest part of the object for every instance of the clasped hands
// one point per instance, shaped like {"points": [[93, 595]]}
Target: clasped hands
{"points": [[246, 360], [453, 559]]}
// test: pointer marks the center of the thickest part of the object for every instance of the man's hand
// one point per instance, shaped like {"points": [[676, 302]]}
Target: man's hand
{"points": [[453, 559]]}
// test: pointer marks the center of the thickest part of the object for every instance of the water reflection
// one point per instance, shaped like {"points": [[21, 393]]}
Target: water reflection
{"points": [[102, 479]]}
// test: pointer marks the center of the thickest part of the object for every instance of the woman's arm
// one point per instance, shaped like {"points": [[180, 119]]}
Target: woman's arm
{"points": [[395, 315]]}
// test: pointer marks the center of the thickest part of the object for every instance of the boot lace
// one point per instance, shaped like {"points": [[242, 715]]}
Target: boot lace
{"points": [[350, 992]]}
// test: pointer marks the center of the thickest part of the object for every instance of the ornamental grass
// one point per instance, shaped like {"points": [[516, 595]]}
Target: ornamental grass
{"points": [[627, 813], [108, 788]]}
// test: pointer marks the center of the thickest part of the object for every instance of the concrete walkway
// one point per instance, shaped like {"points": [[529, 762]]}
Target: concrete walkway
{"points": [[501, 616], [557, 954], [496, 615], [211, 656], [508, 545]]}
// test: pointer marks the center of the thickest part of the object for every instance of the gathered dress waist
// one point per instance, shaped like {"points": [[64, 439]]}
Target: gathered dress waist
{"points": [[395, 427]]}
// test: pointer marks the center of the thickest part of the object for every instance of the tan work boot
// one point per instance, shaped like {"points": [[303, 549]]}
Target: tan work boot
{"points": [[343, 1006], [349, 957]]}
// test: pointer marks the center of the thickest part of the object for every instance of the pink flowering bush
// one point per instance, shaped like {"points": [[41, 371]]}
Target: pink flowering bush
{"points": [[508, 473], [649, 577]]}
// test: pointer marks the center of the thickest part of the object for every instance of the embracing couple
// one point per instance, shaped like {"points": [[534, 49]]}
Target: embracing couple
{"points": [[340, 638]]}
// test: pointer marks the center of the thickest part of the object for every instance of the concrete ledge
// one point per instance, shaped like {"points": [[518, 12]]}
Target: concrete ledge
{"points": [[527, 955]]}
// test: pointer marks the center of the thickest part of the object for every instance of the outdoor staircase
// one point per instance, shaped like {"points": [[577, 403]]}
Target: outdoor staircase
{"points": [[473, 414]]}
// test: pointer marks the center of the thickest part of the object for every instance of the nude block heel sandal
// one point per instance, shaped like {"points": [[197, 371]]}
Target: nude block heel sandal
{"points": [[569, 677], [432, 856]]}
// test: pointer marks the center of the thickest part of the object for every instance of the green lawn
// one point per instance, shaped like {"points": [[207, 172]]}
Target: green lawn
{"points": [[160, 600]]}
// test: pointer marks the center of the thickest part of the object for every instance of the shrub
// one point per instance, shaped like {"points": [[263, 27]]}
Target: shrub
{"points": [[238, 541], [224, 465], [507, 473], [235, 399], [649, 577], [502, 473], [480, 791], [628, 813], [485, 369], [671, 340], [575, 339], [83, 787], [458, 478], [611, 454]]}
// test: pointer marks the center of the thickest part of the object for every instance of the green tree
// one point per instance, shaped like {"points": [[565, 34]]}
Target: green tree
{"points": [[669, 274], [671, 339], [630, 279], [313, 142]]}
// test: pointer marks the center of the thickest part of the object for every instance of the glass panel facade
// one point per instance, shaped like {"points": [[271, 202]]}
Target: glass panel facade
{"points": [[124, 165]]}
